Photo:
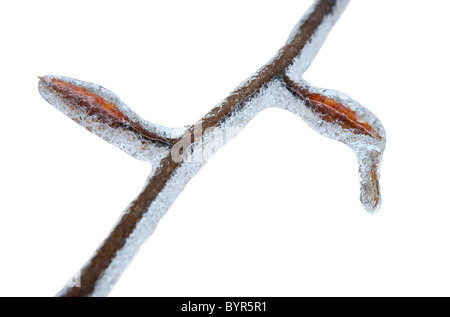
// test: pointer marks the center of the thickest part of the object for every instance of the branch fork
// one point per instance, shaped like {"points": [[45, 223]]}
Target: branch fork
{"points": [[178, 153]]}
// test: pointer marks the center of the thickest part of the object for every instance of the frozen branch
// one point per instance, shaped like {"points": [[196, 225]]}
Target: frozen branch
{"points": [[177, 154]]}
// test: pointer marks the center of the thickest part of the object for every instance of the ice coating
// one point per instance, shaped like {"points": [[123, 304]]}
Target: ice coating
{"points": [[278, 84], [337, 116], [306, 56], [274, 95], [212, 139], [101, 112]]}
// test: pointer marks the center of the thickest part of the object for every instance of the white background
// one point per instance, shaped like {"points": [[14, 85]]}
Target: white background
{"points": [[274, 212]]}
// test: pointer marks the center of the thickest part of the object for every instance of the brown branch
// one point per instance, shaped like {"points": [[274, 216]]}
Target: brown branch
{"points": [[95, 268], [278, 66]]}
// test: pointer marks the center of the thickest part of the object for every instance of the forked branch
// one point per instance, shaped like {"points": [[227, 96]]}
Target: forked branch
{"points": [[174, 152]]}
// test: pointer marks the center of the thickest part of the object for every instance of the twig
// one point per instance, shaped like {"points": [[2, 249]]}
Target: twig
{"points": [[173, 152]]}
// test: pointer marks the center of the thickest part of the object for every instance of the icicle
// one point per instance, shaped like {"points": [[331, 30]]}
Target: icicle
{"points": [[337, 116]]}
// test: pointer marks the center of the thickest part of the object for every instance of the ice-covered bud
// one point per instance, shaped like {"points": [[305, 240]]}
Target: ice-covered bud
{"points": [[104, 114], [337, 116]]}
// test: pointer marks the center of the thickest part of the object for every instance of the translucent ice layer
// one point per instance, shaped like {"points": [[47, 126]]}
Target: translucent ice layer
{"points": [[178, 154], [101, 112], [337, 116]]}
